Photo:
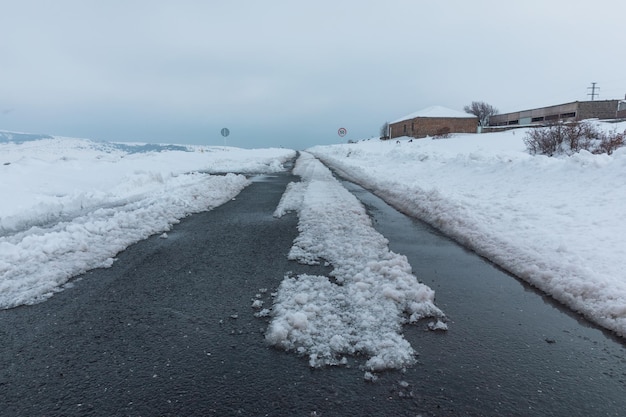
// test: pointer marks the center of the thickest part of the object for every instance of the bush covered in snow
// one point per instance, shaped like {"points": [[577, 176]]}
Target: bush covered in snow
{"points": [[568, 139]]}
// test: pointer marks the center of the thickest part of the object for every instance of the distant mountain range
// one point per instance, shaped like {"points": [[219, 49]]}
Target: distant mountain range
{"points": [[18, 137], [21, 137]]}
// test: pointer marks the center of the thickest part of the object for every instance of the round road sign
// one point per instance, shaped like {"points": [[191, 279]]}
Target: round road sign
{"points": [[225, 132], [342, 131]]}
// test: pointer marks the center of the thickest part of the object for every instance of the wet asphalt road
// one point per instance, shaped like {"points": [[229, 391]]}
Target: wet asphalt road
{"points": [[169, 331], [510, 350]]}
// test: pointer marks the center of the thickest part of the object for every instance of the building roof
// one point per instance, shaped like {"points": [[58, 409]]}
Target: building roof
{"points": [[437, 112]]}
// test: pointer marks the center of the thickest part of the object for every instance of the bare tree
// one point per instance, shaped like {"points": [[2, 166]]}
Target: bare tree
{"points": [[384, 131], [481, 110]]}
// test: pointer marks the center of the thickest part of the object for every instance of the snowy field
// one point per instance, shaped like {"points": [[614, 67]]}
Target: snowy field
{"points": [[557, 223], [70, 205]]}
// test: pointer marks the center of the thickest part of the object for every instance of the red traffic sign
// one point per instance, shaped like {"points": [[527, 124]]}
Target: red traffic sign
{"points": [[342, 131]]}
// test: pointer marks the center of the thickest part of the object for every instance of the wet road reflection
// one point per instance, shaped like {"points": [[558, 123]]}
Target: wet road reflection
{"points": [[509, 350]]}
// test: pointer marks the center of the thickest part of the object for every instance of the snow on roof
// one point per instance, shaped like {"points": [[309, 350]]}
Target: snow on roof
{"points": [[437, 112]]}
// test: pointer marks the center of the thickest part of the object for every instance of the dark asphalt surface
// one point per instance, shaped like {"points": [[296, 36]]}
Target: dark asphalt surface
{"points": [[169, 330], [510, 350]]}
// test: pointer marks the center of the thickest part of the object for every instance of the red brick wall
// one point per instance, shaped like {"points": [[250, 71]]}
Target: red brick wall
{"points": [[426, 126]]}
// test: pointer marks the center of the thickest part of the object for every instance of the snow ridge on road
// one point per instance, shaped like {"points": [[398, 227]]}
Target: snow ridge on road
{"points": [[371, 292]]}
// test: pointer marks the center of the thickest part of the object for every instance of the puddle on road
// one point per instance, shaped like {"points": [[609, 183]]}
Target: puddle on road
{"points": [[263, 178]]}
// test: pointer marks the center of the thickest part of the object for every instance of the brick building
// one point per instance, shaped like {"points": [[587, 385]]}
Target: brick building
{"points": [[433, 121], [578, 110]]}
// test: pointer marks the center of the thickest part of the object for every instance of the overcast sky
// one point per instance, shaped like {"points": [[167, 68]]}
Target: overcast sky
{"points": [[290, 73]]}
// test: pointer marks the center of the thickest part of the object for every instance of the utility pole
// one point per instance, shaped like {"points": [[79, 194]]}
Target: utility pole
{"points": [[593, 89]]}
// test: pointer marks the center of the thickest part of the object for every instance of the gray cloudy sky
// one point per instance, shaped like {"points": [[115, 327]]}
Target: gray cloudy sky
{"points": [[289, 73]]}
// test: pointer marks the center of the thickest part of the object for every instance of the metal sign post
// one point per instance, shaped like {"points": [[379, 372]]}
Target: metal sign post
{"points": [[225, 132]]}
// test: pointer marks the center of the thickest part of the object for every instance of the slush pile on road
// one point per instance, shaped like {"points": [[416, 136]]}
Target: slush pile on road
{"points": [[371, 294]]}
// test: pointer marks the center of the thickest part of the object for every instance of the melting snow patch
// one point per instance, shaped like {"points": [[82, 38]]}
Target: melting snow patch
{"points": [[438, 325], [373, 292], [368, 376]]}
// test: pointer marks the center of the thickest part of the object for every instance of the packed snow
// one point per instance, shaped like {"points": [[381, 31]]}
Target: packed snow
{"points": [[70, 205], [371, 293], [556, 222]]}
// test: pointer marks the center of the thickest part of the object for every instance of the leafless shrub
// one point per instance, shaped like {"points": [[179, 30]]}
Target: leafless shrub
{"points": [[545, 141], [611, 142], [384, 131], [442, 133], [567, 139]]}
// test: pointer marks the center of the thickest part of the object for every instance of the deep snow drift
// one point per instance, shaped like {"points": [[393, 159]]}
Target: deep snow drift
{"points": [[372, 293], [557, 223], [70, 205]]}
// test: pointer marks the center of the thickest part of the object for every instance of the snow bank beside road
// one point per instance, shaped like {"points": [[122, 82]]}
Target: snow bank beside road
{"points": [[36, 262], [557, 223], [70, 205], [373, 292]]}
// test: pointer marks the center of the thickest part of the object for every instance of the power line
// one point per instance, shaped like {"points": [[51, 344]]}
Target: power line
{"points": [[593, 89]]}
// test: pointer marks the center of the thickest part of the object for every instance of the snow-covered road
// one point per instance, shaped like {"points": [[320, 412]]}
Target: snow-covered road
{"points": [[170, 327], [73, 204]]}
